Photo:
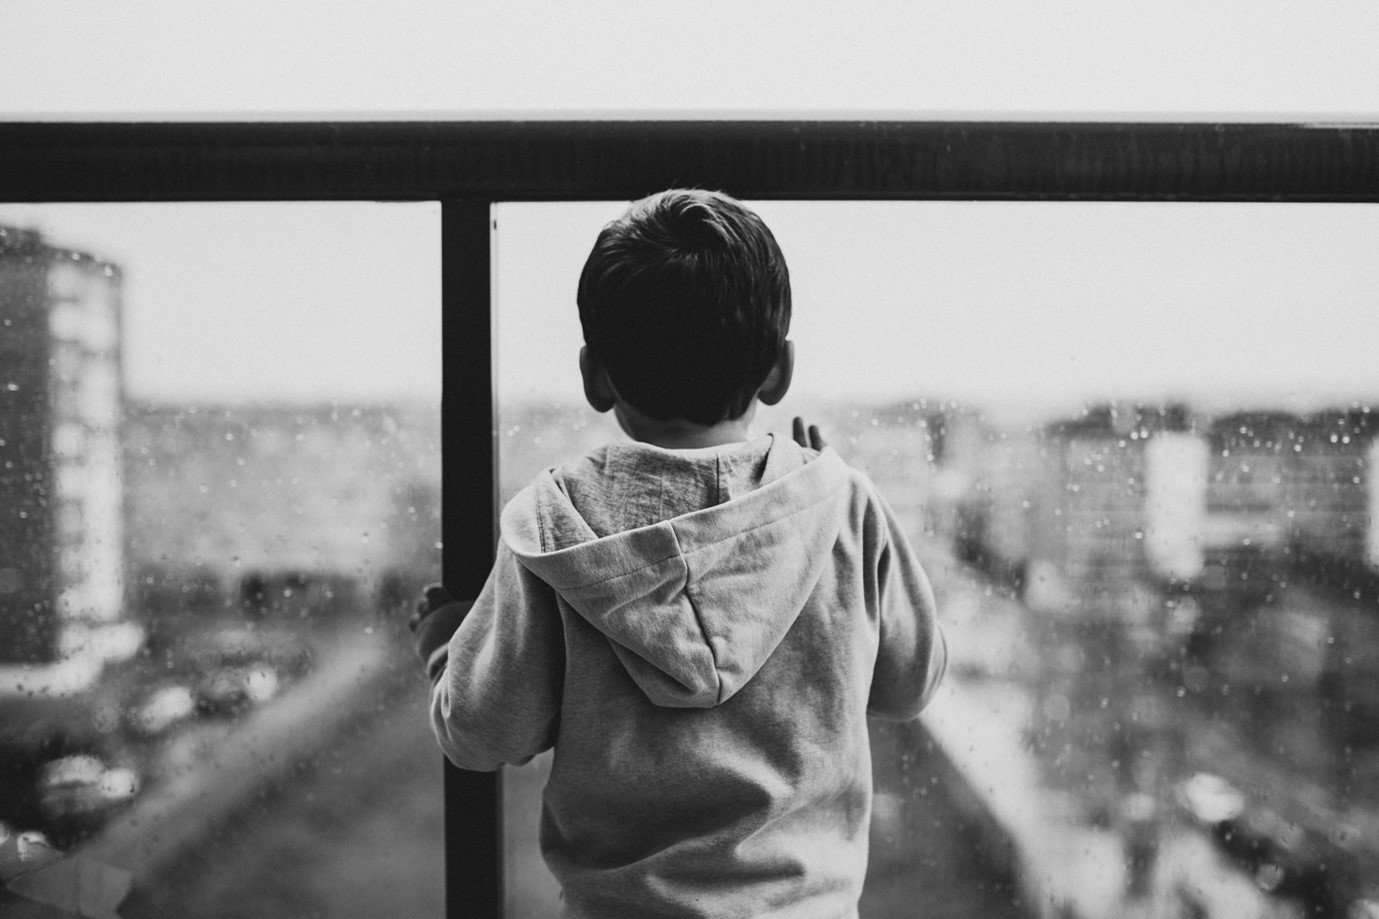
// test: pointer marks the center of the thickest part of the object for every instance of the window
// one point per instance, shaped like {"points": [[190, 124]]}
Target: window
{"points": [[977, 504], [221, 442], [1091, 419]]}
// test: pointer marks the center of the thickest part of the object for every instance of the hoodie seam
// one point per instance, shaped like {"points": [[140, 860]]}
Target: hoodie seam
{"points": [[622, 574], [738, 534], [541, 523], [699, 620]]}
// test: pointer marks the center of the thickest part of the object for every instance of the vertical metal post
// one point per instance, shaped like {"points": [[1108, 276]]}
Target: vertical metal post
{"points": [[473, 802]]}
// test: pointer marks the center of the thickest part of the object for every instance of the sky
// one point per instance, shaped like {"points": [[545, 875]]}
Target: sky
{"points": [[250, 301], [1039, 305], [1045, 305], [1033, 304]]}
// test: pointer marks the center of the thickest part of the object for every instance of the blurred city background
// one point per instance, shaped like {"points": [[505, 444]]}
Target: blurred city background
{"points": [[1150, 530]]}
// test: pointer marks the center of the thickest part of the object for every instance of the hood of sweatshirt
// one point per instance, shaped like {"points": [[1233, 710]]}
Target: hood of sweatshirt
{"points": [[693, 605]]}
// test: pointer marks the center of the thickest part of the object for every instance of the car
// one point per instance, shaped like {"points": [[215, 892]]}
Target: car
{"points": [[82, 786], [1210, 799], [161, 709], [233, 690]]}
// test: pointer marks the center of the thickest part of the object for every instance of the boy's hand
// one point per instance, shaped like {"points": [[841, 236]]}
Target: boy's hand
{"points": [[437, 616], [433, 597], [807, 437]]}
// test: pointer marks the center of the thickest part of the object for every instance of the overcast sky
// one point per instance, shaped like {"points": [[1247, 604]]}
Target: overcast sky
{"points": [[1045, 305], [261, 301], [1041, 304]]}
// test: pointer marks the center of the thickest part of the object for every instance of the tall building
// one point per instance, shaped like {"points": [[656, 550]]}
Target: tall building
{"points": [[61, 491], [1329, 491], [1123, 507], [1251, 466]]}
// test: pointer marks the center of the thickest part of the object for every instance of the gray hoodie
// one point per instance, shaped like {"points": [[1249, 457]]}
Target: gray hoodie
{"points": [[701, 636]]}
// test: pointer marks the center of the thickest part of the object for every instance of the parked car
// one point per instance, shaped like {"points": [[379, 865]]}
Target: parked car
{"points": [[161, 709], [233, 690], [82, 786]]}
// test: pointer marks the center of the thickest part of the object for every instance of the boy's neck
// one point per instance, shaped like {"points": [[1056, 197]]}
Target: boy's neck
{"points": [[679, 434]]}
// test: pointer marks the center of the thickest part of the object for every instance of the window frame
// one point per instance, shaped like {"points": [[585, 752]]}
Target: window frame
{"points": [[470, 166]]}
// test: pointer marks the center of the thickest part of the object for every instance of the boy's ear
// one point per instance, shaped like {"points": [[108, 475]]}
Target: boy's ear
{"points": [[777, 382], [597, 388]]}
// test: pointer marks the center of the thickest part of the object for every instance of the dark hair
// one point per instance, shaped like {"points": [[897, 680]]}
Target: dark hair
{"points": [[685, 301]]}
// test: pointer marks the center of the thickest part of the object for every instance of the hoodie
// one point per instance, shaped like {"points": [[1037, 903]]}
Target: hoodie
{"points": [[700, 635]]}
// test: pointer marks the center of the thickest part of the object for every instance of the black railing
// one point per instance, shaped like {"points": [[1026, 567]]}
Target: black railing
{"points": [[568, 161]]}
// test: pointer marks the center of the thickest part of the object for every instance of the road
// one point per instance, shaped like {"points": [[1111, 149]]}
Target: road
{"points": [[357, 833]]}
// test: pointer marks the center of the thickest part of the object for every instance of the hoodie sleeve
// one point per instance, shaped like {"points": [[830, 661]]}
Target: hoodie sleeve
{"points": [[911, 656], [497, 700]]}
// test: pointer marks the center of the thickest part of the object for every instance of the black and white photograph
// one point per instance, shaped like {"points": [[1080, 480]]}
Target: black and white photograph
{"points": [[731, 461]]}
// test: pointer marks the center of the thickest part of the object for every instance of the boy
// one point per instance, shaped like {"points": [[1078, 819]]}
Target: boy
{"points": [[698, 622]]}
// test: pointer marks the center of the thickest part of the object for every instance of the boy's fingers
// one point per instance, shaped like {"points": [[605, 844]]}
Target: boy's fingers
{"points": [[436, 595], [434, 631], [807, 437], [432, 598]]}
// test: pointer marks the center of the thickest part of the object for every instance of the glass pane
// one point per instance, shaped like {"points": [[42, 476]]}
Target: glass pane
{"points": [[219, 432], [540, 422], [1132, 445]]}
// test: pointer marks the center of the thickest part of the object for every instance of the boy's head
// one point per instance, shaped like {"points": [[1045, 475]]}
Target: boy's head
{"points": [[685, 304]]}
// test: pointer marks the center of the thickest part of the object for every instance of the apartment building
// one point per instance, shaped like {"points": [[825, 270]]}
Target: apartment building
{"points": [[62, 523]]}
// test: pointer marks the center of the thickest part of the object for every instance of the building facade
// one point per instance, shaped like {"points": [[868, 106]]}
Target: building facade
{"points": [[61, 483]]}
